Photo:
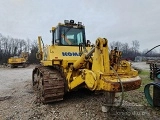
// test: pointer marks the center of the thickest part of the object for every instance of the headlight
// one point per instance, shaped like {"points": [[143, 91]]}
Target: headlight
{"points": [[66, 21], [72, 21], [79, 23], [56, 41]]}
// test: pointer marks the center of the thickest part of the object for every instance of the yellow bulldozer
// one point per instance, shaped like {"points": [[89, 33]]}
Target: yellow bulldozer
{"points": [[21, 60], [71, 62]]}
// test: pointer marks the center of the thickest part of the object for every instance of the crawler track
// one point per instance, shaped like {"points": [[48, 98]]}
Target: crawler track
{"points": [[49, 83]]}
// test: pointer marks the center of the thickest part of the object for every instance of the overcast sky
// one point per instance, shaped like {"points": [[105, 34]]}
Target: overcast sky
{"points": [[116, 20]]}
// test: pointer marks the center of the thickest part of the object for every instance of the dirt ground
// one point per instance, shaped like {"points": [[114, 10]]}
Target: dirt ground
{"points": [[18, 101]]}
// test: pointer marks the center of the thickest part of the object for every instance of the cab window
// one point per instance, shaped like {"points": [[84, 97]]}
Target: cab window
{"points": [[71, 36]]}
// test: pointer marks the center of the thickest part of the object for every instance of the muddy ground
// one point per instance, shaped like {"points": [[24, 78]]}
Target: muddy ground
{"points": [[18, 102]]}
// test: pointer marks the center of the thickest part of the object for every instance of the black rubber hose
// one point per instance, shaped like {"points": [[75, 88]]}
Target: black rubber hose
{"points": [[122, 95], [152, 49], [147, 92]]}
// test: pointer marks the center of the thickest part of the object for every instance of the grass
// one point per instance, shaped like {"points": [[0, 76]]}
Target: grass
{"points": [[145, 79], [144, 72]]}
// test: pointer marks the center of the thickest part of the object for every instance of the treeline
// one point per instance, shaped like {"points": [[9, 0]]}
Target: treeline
{"points": [[10, 47], [128, 51], [131, 51]]}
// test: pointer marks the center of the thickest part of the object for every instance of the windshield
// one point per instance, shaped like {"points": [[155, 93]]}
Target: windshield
{"points": [[71, 36]]}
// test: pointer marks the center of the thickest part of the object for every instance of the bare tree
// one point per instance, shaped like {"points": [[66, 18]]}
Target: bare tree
{"points": [[135, 46], [116, 44], [13, 47], [125, 48]]}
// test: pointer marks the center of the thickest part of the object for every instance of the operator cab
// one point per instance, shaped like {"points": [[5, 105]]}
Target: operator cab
{"points": [[69, 34]]}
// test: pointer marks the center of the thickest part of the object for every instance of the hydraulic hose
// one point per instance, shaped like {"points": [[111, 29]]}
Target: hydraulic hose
{"points": [[152, 49], [122, 95], [147, 92]]}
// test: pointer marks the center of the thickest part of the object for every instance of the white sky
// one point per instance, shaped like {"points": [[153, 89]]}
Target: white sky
{"points": [[116, 20]]}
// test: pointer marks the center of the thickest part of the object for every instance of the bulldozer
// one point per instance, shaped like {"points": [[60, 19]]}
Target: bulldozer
{"points": [[71, 62], [21, 60]]}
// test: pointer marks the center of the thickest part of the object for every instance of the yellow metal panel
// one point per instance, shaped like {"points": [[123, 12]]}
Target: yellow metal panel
{"points": [[13, 60], [76, 81], [47, 63], [79, 62], [70, 53], [101, 56], [56, 62], [90, 79]]}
